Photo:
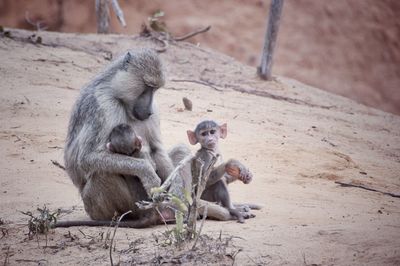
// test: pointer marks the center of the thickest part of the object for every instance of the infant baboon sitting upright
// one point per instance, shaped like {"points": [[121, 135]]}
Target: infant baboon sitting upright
{"points": [[208, 133]]}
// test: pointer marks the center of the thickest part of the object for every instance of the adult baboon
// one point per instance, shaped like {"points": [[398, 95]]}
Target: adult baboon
{"points": [[122, 93]]}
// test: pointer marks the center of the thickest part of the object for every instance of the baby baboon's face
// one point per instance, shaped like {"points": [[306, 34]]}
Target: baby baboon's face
{"points": [[123, 140]]}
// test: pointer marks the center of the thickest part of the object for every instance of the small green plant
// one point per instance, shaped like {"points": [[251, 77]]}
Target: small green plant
{"points": [[156, 23]]}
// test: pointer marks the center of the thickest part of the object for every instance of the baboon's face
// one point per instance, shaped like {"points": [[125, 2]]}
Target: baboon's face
{"points": [[143, 107], [147, 67], [207, 133]]}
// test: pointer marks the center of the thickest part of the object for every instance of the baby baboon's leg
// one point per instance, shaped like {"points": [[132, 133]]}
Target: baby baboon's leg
{"points": [[246, 207], [104, 195], [218, 192], [214, 211]]}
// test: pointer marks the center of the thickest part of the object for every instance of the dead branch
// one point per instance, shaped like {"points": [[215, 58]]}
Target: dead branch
{"points": [[191, 34], [199, 181], [7, 260], [118, 12], [205, 83], [164, 46], [275, 11], [103, 16], [58, 164], [115, 230], [201, 226], [34, 261], [367, 188], [175, 173]]}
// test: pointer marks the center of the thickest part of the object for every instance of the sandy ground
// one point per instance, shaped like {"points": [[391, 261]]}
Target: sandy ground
{"points": [[297, 140]]}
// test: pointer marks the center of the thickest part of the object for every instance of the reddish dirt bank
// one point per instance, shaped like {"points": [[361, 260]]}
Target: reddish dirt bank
{"points": [[351, 48]]}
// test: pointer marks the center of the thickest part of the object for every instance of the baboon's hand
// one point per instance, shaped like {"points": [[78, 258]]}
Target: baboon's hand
{"points": [[151, 180], [239, 171], [245, 175]]}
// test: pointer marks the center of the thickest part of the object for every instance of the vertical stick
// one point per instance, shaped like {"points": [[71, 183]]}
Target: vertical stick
{"points": [[200, 173], [197, 172], [118, 12], [264, 70], [103, 16]]}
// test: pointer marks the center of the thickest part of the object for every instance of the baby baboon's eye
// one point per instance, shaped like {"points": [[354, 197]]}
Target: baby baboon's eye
{"points": [[204, 133], [212, 131]]}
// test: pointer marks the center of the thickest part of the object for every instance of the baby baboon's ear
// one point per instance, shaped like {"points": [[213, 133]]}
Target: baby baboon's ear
{"points": [[110, 147], [192, 137], [137, 143], [223, 130]]}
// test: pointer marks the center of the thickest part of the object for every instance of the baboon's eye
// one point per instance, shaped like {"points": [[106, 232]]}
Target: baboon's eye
{"points": [[204, 133], [212, 131]]}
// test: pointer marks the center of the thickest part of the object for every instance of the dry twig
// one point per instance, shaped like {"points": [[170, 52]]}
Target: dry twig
{"points": [[205, 83], [199, 181], [201, 226], [118, 12], [58, 164], [175, 173], [367, 188], [115, 230], [191, 34]]}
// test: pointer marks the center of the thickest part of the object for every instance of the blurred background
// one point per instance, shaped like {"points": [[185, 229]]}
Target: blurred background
{"points": [[348, 47]]}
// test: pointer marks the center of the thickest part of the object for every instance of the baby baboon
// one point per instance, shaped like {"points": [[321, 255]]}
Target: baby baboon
{"points": [[207, 133], [123, 140]]}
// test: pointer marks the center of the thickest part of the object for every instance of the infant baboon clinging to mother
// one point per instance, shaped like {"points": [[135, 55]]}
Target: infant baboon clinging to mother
{"points": [[208, 133], [123, 140], [122, 93]]}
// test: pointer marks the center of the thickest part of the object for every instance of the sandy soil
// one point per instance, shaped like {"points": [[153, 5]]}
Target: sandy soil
{"points": [[296, 139], [348, 47]]}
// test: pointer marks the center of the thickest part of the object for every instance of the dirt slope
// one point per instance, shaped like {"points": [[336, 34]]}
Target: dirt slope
{"points": [[297, 140]]}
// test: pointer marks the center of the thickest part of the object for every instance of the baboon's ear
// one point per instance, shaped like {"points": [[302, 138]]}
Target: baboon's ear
{"points": [[127, 60], [223, 130], [110, 147], [192, 137]]}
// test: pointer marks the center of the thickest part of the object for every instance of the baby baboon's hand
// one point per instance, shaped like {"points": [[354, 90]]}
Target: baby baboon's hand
{"points": [[239, 171], [245, 175]]}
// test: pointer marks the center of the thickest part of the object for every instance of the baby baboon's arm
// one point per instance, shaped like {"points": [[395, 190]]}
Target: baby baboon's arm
{"points": [[216, 174], [235, 170], [123, 165]]}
